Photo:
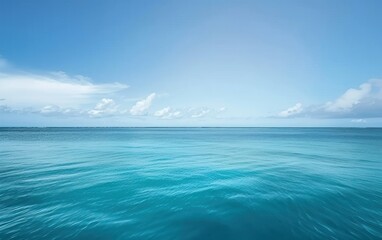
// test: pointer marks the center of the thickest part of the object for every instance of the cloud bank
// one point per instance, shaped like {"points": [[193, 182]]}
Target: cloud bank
{"points": [[53, 89], [359, 103], [168, 113], [57, 94]]}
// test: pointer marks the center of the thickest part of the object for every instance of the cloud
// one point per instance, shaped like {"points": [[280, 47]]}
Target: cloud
{"points": [[358, 103], [168, 113], [358, 120], [53, 89], [192, 113], [55, 94], [222, 109], [175, 114], [296, 109], [349, 99], [53, 110], [141, 106], [58, 94], [106, 107], [162, 112], [204, 112], [200, 113]]}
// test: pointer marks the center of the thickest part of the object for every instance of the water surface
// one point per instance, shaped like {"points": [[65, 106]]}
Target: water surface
{"points": [[190, 183]]}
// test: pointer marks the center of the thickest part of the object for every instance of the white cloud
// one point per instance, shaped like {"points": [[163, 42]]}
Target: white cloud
{"points": [[52, 110], [360, 120], [104, 104], [362, 102], [54, 93], [195, 113], [58, 94], [296, 109], [205, 112], [168, 113], [200, 113], [105, 107], [141, 106], [54, 89], [357, 103], [350, 98], [173, 115], [162, 112]]}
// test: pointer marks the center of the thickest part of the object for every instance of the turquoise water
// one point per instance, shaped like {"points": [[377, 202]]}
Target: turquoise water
{"points": [[190, 183]]}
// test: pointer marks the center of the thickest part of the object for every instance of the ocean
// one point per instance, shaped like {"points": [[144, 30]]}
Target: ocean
{"points": [[191, 183]]}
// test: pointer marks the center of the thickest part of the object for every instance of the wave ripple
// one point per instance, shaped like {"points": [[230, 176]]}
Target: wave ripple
{"points": [[190, 183]]}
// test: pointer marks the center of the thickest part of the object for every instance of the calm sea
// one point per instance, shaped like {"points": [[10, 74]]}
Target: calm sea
{"points": [[190, 183]]}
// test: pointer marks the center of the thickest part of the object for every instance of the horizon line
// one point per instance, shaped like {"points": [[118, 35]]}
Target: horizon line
{"points": [[181, 127]]}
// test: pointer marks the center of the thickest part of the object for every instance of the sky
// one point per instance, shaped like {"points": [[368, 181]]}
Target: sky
{"points": [[191, 63]]}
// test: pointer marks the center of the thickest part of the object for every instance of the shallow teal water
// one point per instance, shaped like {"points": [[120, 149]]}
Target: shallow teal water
{"points": [[190, 183]]}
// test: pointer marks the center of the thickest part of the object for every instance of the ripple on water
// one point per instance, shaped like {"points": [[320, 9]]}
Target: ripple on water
{"points": [[244, 183]]}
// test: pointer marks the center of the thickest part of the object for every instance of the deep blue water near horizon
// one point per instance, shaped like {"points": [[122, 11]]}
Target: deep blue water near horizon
{"points": [[190, 183]]}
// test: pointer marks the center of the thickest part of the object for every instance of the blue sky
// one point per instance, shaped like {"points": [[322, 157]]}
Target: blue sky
{"points": [[190, 63]]}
